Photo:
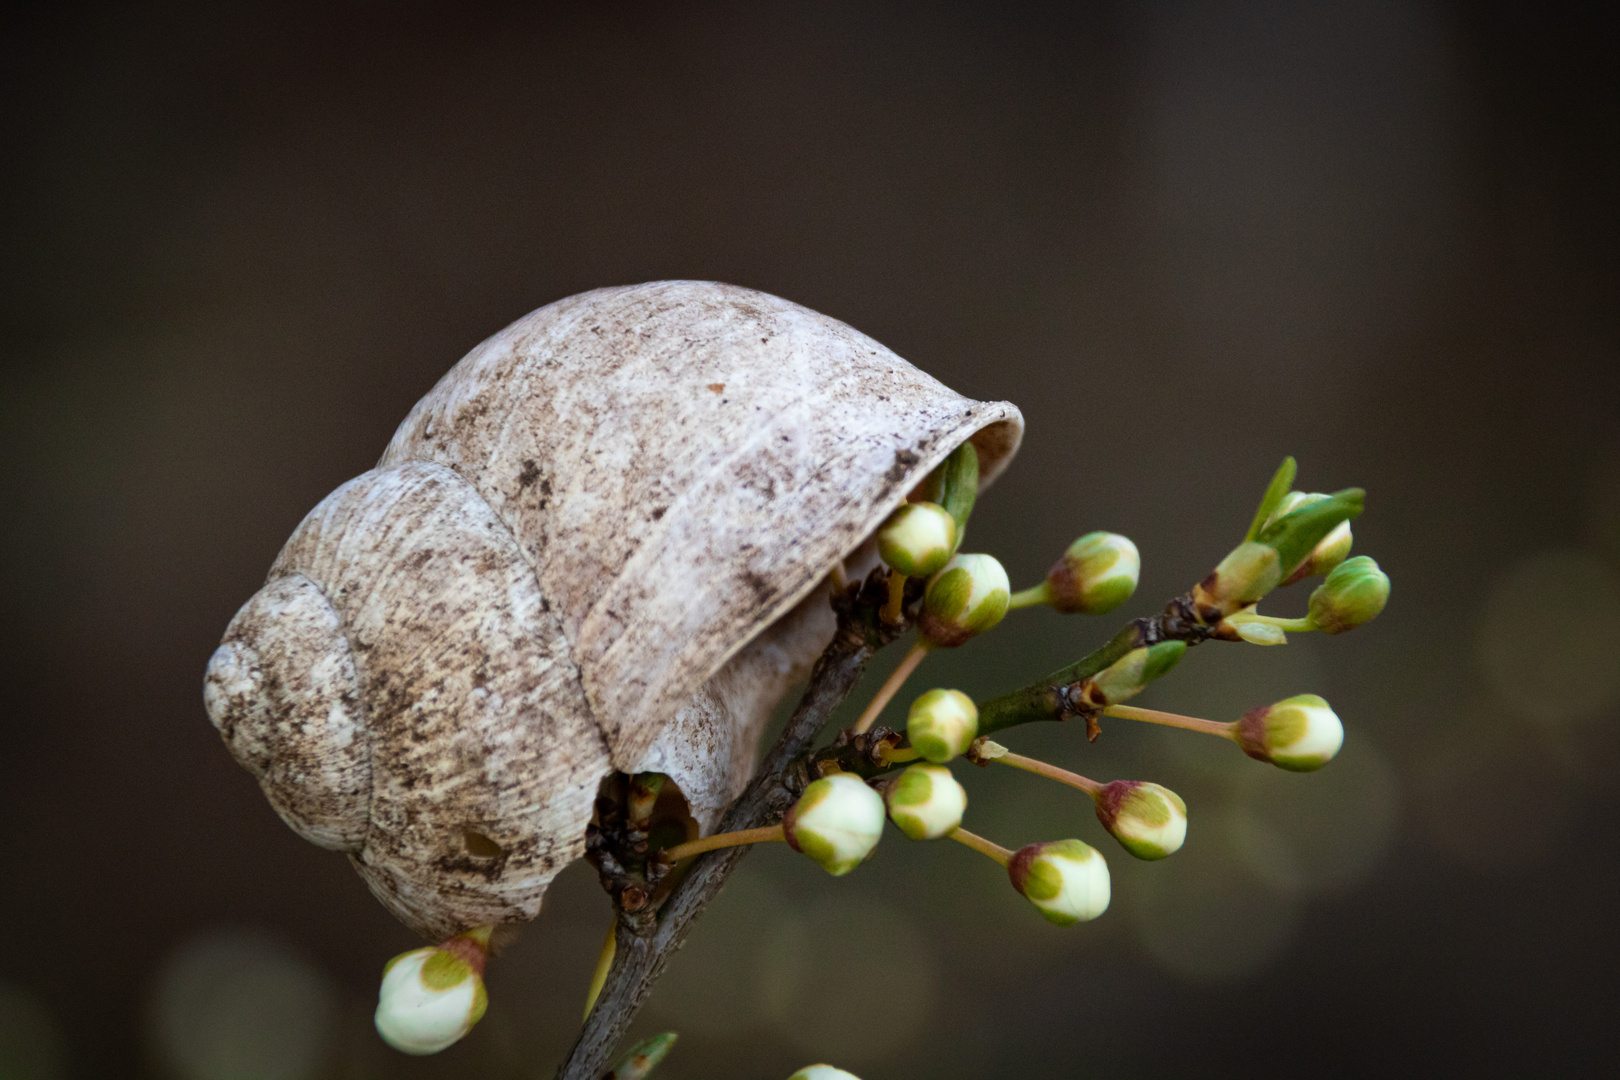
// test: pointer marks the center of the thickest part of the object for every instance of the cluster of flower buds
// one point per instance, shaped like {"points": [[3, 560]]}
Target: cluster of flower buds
{"points": [[942, 724], [431, 997], [1096, 574], [918, 539], [1148, 820], [1354, 593], [926, 802], [837, 822], [963, 600], [1066, 880], [1300, 734], [1276, 547]]}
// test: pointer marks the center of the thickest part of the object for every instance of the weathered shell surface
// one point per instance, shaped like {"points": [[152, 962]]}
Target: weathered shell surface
{"points": [[592, 546]]}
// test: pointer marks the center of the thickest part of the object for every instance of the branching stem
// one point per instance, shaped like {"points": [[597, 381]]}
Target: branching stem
{"points": [[1051, 772], [1170, 719], [890, 687], [724, 840], [981, 845]]}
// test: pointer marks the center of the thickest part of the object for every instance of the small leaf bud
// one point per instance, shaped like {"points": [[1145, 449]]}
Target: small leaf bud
{"points": [[822, 1072], [1248, 572], [926, 802], [1300, 734], [1067, 880], [1354, 593], [1096, 575], [917, 539], [837, 822], [1256, 633], [942, 724], [963, 600], [430, 998], [1148, 820], [1131, 673]]}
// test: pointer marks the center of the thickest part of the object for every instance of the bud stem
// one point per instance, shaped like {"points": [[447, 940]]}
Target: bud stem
{"points": [[1051, 772], [981, 845], [894, 755], [725, 840], [604, 961], [1154, 716], [891, 612], [1038, 594], [890, 687]]}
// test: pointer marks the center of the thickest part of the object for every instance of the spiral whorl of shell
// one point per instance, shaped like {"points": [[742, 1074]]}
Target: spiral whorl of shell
{"points": [[590, 547]]}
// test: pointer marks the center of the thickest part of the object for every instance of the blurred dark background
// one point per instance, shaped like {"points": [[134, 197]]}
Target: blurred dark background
{"points": [[239, 240]]}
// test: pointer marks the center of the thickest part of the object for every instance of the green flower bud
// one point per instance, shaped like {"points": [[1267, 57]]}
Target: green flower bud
{"points": [[837, 822], [918, 539], [822, 1072], [1131, 673], [1066, 879], [1354, 593], [965, 599], [926, 802], [432, 997], [1149, 821], [1096, 575], [942, 724], [1300, 734]]}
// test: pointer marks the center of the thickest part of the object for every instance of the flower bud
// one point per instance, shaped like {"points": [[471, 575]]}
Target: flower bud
{"points": [[432, 997], [1096, 575], [942, 724], [1300, 734], [1066, 879], [1330, 552], [917, 539], [1149, 821], [1130, 674], [966, 598], [822, 1072], [837, 822], [926, 802], [1354, 593]]}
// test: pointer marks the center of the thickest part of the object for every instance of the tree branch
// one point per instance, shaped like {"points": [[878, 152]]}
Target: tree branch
{"points": [[641, 956]]}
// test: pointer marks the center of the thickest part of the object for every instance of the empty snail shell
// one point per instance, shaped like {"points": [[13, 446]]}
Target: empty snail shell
{"points": [[592, 547]]}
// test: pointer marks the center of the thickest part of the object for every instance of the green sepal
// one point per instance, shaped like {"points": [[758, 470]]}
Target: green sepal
{"points": [[1281, 483], [959, 486]]}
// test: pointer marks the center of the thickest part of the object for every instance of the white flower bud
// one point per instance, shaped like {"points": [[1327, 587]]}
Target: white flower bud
{"points": [[918, 539], [432, 997], [1067, 880], [837, 822], [1148, 820], [1300, 734], [926, 802], [942, 724], [966, 598], [1096, 575], [822, 1072]]}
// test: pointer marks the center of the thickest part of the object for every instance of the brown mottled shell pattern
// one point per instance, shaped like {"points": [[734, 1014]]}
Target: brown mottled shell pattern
{"points": [[595, 545]]}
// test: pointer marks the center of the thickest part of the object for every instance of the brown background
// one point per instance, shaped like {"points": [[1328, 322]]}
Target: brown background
{"points": [[239, 240]]}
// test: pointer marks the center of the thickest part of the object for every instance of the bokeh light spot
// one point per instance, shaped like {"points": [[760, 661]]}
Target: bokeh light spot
{"points": [[1542, 641], [236, 1004]]}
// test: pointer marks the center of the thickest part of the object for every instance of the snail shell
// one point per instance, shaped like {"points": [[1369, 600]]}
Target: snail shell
{"points": [[591, 547]]}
